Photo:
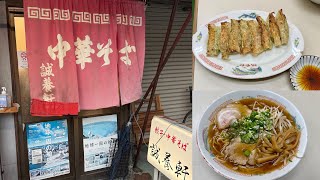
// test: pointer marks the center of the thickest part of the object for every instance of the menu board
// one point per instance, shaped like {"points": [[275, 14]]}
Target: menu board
{"points": [[99, 141], [48, 149]]}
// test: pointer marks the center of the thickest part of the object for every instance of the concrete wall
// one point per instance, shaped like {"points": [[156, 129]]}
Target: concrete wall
{"points": [[7, 131]]}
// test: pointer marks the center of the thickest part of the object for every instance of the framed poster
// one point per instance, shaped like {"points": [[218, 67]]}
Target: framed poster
{"points": [[48, 149], [99, 141]]}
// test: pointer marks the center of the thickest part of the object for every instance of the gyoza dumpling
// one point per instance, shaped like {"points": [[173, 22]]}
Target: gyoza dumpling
{"points": [[245, 37], [224, 39], [274, 30], [283, 27], [213, 40], [265, 35], [235, 37], [256, 37]]}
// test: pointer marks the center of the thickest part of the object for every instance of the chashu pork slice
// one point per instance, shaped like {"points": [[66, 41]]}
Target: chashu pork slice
{"points": [[235, 151], [232, 112], [227, 116], [243, 109]]}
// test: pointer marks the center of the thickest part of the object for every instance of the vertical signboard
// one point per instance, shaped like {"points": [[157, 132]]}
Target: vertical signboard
{"points": [[170, 148]]}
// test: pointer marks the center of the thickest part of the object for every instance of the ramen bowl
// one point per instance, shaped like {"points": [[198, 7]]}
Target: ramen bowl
{"points": [[218, 104]]}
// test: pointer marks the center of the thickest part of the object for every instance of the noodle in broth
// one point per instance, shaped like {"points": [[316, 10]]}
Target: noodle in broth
{"points": [[263, 139]]}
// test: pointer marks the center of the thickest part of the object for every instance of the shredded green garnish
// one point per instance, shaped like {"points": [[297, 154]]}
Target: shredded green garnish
{"points": [[249, 128]]}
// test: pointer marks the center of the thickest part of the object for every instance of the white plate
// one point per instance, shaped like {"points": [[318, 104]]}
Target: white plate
{"points": [[267, 64], [235, 96]]}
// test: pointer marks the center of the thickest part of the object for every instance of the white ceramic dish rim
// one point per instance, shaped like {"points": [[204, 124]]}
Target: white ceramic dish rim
{"points": [[236, 95]]}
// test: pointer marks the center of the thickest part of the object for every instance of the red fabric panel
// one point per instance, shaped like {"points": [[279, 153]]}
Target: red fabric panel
{"points": [[80, 51]]}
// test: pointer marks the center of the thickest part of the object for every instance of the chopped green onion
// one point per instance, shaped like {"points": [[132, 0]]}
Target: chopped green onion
{"points": [[249, 128], [247, 153]]}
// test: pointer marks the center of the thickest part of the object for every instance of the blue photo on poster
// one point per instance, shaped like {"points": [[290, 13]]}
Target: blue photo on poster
{"points": [[99, 141], [48, 149]]}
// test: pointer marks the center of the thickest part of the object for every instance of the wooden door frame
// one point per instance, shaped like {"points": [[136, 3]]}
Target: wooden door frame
{"points": [[74, 122], [6, 47]]}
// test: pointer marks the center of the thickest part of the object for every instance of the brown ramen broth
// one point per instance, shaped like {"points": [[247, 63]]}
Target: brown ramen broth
{"points": [[279, 156]]}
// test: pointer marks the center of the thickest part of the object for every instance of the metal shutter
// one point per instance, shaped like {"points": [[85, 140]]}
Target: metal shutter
{"points": [[176, 77]]}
